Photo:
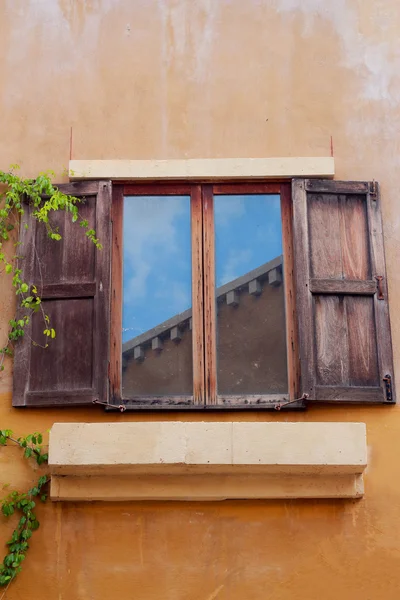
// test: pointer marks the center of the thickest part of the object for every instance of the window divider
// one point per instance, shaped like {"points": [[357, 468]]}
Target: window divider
{"points": [[210, 354], [197, 296]]}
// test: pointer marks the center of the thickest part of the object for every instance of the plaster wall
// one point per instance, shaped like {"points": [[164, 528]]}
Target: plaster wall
{"points": [[204, 79]]}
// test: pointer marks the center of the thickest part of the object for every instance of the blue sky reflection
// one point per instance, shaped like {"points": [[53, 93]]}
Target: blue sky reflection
{"points": [[157, 261], [157, 251], [248, 233]]}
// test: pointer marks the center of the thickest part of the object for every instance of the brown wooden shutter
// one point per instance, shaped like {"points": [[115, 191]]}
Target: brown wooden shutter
{"points": [[344, 329], [73, 280]]}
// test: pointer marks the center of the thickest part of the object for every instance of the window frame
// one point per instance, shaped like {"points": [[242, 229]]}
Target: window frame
{"points": [[205, 394]]}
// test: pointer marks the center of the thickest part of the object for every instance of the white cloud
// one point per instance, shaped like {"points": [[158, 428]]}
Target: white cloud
{"points": [[228, 207], [235, 265], [150, 240], [177, 294]]}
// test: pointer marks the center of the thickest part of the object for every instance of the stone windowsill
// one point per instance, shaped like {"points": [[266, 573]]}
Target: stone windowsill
{"points": [[206, 461]]}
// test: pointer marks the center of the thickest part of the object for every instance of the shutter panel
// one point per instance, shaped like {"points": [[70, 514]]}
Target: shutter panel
{"points": [[344, 329], [73, 280]]}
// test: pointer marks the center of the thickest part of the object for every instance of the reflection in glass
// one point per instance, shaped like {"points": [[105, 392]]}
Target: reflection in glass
{"points": [[251, 335], [156, 323]]}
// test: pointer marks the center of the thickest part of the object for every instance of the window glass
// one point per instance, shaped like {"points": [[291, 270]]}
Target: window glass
{"points": [[251, 335], [157, 289]]}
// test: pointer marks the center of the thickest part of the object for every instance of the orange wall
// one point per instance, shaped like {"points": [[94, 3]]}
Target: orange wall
{"points": [[210, 78]]}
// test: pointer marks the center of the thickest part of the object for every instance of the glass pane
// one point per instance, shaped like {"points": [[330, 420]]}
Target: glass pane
{"points": [[251, 335], [157, 292]]}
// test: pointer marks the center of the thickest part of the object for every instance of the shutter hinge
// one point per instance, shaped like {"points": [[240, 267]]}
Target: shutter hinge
{"points": [[373, 190], [379, 279], [388, 387]]}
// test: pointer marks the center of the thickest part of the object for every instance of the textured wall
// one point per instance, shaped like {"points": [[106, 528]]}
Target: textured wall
{"points": [[210, 78]]}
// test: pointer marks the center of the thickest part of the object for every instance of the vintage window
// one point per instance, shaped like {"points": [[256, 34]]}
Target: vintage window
{"points": [[203, 289], [212, 295]]}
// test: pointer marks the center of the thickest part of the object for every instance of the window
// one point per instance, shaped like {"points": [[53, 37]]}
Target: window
{"points": [[203, 293], [214, 295]]}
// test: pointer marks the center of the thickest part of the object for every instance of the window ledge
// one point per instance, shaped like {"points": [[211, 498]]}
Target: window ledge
{"points": [[206, 461]]}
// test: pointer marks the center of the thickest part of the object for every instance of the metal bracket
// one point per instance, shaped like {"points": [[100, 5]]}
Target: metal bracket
{"points": [[373, 190], [379, 279], [304, 397], [388, 387], [119, 407]]}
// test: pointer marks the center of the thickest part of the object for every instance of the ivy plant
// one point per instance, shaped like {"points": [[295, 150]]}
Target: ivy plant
{"points": [[44, 198], [22, 504]]}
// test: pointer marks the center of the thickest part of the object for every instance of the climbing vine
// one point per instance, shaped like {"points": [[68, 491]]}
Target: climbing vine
{"points": [[23, 504], [44, 198]]}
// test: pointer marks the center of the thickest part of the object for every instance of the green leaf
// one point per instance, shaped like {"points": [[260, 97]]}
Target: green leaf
{"points": [[24, 287]]}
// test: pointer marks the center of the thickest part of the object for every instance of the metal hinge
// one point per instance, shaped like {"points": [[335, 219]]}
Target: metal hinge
{"points": [[373, 190], [379, 280], [388, 387]]}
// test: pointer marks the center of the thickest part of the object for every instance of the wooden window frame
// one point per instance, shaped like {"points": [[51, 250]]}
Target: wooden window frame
{"points": [[203, 298]]}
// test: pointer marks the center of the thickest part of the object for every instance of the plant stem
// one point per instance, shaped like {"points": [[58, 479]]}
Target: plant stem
{"points": [[6, 588]]}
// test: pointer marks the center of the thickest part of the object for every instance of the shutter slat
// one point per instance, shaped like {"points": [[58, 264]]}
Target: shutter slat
{"points": [[336, 187], [68, 290], [73, 279], [341, 286], [352, 395], [63, 398], [344, 329]]}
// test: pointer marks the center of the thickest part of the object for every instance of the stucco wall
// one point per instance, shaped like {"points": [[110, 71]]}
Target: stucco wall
{"points": [[210, 78]]}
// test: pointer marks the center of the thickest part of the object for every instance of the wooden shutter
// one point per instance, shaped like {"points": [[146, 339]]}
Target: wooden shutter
{"points": [[344, 330], [73, 280]]}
